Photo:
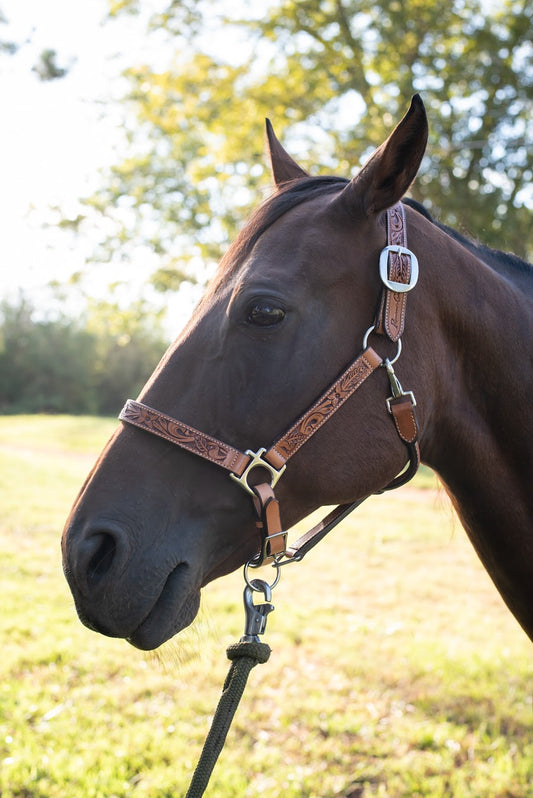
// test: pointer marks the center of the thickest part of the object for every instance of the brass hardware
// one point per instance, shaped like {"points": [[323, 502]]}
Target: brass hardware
{"points": [[257, 462]]}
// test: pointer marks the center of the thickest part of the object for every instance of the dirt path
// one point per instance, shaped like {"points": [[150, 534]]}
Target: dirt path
{"points": [[40, 452]]}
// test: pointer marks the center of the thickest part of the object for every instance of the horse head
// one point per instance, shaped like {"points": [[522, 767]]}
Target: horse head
{"points": [[286, 311]]}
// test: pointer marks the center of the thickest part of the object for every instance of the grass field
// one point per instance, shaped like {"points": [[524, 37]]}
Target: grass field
{"points": [[396, 670]]}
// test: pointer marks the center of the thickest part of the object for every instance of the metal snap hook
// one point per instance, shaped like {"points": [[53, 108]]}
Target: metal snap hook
{"points": [[256, 614]]}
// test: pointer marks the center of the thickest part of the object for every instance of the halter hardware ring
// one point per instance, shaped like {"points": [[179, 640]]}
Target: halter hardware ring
{"points": [[399, 288], [259, 585], [257, 462], [398, 349]]}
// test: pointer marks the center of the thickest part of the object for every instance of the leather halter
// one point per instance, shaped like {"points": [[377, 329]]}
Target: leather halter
{"points": [[399, 273]]}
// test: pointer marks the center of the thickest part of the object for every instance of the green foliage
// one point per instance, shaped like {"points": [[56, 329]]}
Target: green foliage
{"points": [[6, 47], [396, 671], [47, 68], [84, 366], [334, 77], [44, 366]]}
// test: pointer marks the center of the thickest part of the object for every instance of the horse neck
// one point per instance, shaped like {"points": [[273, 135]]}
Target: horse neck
{"points": [[479, 430], [483, 369]]}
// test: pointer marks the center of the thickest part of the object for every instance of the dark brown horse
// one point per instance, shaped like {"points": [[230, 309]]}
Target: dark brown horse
{"points": [[286, 312]]}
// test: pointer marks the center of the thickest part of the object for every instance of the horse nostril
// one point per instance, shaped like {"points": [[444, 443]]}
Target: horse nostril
{"points": [[104, 546]]}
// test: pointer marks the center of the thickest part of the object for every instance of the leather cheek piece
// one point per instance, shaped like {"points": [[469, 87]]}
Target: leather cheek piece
{"points": [[390, 318]]}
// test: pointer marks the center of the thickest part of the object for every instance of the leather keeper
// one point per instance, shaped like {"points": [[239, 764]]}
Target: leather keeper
{"points": [[403, 413], [267, 509]]}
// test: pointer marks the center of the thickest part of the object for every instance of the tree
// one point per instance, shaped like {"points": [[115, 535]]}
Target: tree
{"points": [[45, 366], [127, 344], [47, 68], [88, 365], [334, 77]]}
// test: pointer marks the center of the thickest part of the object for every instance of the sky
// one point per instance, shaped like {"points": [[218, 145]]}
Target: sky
{"points": [[54, 135], [51, 139]]}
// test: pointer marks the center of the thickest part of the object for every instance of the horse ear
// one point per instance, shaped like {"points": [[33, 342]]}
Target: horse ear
{"points": [[385, 178], [283, 167]]}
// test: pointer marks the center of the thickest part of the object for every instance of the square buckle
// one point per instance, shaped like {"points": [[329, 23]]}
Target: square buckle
{"points": [[257, 462], [399, 288]]}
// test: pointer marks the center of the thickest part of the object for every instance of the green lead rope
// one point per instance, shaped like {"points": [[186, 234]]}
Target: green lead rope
{"points": [[244, 656]]}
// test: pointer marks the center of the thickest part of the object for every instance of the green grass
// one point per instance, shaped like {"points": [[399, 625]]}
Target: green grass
{"points": [[396, 671]]}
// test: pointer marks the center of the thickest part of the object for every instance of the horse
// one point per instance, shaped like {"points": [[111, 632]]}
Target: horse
{"points": [[262, 383]]}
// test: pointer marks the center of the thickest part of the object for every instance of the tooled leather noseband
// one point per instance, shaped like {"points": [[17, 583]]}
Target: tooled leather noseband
{"points": [[399, 272]]}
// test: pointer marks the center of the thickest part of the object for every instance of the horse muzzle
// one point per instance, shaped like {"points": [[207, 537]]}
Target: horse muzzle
{"points": [[121, 591]]}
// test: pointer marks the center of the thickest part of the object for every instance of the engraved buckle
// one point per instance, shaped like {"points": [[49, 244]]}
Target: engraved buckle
{"points": [[399, 288], [257, 462]]}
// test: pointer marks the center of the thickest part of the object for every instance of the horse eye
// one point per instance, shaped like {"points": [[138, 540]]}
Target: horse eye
{"points": [[265, 314]]}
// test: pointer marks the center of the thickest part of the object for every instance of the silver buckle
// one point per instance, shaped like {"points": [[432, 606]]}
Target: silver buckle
{"points": [[399, 288], [257, 461]]}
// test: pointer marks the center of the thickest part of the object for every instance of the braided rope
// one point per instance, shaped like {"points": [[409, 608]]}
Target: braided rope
{"points": [[244, 656]]}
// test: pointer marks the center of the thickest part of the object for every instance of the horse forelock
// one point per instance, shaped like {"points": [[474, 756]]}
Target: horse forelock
{"points": [[286, 198]]}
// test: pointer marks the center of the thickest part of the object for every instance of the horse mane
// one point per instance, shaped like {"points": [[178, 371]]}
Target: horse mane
{"points": [[493, 257]]}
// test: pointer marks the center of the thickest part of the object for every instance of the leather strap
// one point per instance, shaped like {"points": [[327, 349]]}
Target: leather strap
{"points": [[323, 409], [309, 539], [390, 317], [273, 537], [403, 412], [183, 435]]}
